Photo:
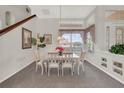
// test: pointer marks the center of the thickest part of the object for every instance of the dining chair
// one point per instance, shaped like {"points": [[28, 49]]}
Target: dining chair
{"points": [[52, 55], [67, 63], [36, 58], [39, 61], [43, 60], [53, 64], [81, 62]]}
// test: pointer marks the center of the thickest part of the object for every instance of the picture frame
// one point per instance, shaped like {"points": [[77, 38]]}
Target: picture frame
{"points": [[48, 38], [26, 38]]}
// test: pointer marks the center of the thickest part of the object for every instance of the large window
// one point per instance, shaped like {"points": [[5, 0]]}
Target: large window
{"points": [[74, 42]]}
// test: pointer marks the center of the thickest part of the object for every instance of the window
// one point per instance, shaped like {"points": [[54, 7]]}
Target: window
{"points": [[119, 35], [74, 42]]}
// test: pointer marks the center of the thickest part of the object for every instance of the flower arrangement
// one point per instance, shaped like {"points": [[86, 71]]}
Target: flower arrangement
{"points": [[60, 50]]}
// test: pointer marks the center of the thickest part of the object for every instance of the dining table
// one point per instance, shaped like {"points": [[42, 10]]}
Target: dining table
{"points": [[55, 56]]}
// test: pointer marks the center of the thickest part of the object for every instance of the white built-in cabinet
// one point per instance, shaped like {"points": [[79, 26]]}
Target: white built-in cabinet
{"points": [[111, 64]]}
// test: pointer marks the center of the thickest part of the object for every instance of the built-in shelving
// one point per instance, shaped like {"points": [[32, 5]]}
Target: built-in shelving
{"points": [[117, 68], [111, 64], [117, 71], [104, 62], [104, 65], [118, 64]]}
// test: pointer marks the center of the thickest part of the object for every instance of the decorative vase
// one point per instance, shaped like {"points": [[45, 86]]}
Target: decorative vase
{"points": [[60, 53]]}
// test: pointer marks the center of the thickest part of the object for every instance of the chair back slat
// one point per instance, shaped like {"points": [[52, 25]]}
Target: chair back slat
{"points": [[82, 55]]}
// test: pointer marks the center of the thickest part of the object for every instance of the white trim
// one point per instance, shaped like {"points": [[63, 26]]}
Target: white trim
{"points": [[30, 62]]}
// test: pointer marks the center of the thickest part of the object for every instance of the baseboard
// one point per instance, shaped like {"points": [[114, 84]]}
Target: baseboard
{"points": [[16, 72]]}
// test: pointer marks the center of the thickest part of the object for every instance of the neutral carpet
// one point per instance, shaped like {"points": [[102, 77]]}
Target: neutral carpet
{"points": [[91, 78]]}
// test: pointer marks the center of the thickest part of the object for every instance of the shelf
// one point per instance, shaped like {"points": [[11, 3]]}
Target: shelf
{"points": [[103, 59], [104, 65], [117, 67], [118, 71], [118, 64]]}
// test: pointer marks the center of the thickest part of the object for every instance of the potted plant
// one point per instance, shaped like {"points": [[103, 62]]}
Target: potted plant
{"points": [[117, 49], [38, 42]]}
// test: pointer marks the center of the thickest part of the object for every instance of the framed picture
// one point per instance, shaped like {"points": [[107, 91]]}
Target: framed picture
{"points": [[48, 38], [26, 38]]}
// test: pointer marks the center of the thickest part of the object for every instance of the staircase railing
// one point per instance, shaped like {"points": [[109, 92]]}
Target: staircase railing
{"points": [[8, 29]]}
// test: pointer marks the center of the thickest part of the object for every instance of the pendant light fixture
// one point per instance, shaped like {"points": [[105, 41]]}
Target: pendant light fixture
{"points": [[60, 7]]}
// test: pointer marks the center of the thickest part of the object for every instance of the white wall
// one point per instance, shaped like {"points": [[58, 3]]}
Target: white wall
{"points": [[100, 31], [90, 19], [48, 26], [18, 13], [12, 57]]}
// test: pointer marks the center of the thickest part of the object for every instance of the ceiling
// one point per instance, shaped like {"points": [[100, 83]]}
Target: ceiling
{"points": [[69, 15], [67, 11]]}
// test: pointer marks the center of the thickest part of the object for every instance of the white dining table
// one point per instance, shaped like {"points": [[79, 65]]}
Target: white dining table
{"points": [[62, 57]]}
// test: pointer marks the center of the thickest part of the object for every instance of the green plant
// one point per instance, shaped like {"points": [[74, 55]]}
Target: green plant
{"points": [[117, 49], [42, 44], [34, 41], [42, 39]]}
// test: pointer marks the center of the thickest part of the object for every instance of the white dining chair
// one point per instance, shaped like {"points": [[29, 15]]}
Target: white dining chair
{"points": [[53, 64], [43, 60], [52, 55], [67, 63], [81, 62], [38, 59]]}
